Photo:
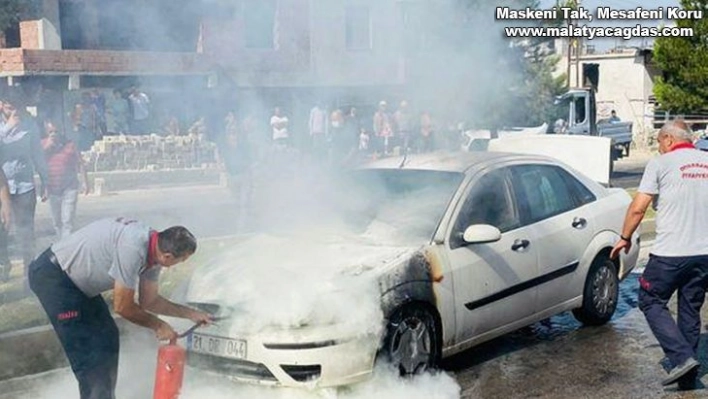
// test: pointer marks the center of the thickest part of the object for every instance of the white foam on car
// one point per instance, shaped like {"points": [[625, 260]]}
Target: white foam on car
{"points": [[282, 282]]}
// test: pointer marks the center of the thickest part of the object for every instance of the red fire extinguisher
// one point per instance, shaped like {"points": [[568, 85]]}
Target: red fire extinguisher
{"points": [[170, 368]]}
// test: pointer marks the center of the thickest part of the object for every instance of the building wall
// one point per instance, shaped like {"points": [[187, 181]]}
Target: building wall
{"points": [[224, 39], [336, 65], [311, 46]]}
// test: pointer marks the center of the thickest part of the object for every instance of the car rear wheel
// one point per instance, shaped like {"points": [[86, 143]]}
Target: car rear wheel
{"points": [[412, 342], [600, 293]]}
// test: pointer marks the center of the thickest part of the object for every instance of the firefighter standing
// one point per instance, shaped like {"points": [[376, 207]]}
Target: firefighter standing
{"points": [[678, 182]]}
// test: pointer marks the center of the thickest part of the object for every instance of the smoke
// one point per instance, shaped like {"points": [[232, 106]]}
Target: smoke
{"points": [[441, 56], [322, 241], [137, 371], [298, 285], [385, 384]]}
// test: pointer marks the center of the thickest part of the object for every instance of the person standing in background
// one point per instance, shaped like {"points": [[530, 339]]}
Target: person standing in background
{"points": [[140, 104], [119, 111], [426, 132], [64, 165], [279, 125], [383, 130], [99, 103], [5, 206], [21, 156], [317, 127], [403, 122]]}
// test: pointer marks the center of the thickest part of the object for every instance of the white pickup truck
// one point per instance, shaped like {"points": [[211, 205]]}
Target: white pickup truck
{"points": [[581, 109], [578, 112]]}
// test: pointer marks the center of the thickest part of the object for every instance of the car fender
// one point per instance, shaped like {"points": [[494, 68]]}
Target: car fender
{"points": [[604, 241], [418, 279], [627, 262], [409, 292]]}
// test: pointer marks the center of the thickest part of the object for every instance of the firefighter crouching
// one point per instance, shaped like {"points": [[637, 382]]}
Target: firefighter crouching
{"points": [[119, 254]]}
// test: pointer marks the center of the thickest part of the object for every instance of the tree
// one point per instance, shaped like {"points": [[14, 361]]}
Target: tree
{"points": [[14, 11], [683, 88], [540, 87]]}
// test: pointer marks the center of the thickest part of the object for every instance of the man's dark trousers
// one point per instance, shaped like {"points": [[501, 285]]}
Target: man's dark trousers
{"points": [[661, 278], [84, 326]]}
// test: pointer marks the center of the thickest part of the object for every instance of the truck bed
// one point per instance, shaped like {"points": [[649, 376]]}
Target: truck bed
{"points": [[619, 132]]}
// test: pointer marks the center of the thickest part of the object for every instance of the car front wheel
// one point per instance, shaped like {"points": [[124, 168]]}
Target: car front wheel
{"points": [[412, 342], [600, 293]]}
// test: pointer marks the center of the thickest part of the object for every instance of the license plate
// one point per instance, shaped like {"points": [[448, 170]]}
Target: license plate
{"points": [[218, 346]]}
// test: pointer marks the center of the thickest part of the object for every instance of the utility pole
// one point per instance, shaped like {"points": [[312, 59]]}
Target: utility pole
{"points": [[569, 49], [578, 51], [573, 5]]}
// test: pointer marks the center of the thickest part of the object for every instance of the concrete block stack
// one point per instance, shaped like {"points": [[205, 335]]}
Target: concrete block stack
{"points": [[153, 152]]}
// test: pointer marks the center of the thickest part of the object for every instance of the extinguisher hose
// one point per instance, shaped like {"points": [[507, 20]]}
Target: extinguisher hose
{"points": [[191, 330]]}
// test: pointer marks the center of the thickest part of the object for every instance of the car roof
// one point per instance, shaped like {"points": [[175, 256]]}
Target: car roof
{"points": [[447, 161]]}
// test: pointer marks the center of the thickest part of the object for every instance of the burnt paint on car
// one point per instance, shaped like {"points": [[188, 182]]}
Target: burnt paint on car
{"points": [[412, 281]]}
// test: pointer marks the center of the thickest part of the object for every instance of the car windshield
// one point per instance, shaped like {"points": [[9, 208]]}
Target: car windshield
{"points": [[397, 204]]}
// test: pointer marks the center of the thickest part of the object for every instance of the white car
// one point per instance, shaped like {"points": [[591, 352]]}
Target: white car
{"points": [[461, 248]]}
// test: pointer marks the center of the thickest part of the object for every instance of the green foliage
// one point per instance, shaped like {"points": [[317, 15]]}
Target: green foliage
{"points": [[684, 63], [13, 11]]}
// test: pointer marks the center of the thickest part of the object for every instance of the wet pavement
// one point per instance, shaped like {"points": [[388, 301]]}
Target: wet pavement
{"points": [[628, 171], [559, 358]]}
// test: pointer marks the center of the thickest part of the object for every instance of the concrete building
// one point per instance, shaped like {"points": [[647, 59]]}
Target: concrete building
{"points": [[624, 81], [255, 52]]}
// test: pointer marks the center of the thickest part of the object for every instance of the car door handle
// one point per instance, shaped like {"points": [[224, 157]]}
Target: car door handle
{"points": [[579, 223], [519, 244]]}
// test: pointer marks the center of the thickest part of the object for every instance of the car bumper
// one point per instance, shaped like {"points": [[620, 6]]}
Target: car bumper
{"points": [[305, 363]]}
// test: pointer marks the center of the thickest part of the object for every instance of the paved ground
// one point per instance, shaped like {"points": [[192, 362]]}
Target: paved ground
{"points": [[555, 359], [628, 171]]}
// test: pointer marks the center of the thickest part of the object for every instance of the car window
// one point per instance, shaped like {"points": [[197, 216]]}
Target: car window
{"points": [[489, 202], [542, 191], [581, 194], [402, 205]]}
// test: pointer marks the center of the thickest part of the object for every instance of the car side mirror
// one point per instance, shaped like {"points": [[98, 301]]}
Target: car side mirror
{"points": [[480, 234]]}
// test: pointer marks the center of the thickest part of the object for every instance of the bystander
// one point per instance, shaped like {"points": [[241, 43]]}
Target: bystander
{"points": [[21, 156], [64, 165]]}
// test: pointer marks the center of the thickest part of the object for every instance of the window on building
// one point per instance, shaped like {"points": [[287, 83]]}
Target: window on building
{"points": [[415, 31], [260, 23], [358, 28]]}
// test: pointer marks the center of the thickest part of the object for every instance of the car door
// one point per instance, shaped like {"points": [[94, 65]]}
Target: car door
{"points": [[491, 280], [556, 204]]}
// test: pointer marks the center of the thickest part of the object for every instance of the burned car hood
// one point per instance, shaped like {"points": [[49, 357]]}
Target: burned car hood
{"points": [[293, 282]]}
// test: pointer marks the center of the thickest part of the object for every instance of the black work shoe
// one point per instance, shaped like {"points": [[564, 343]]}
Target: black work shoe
{"points": [[689, 381], [681, 370]]}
